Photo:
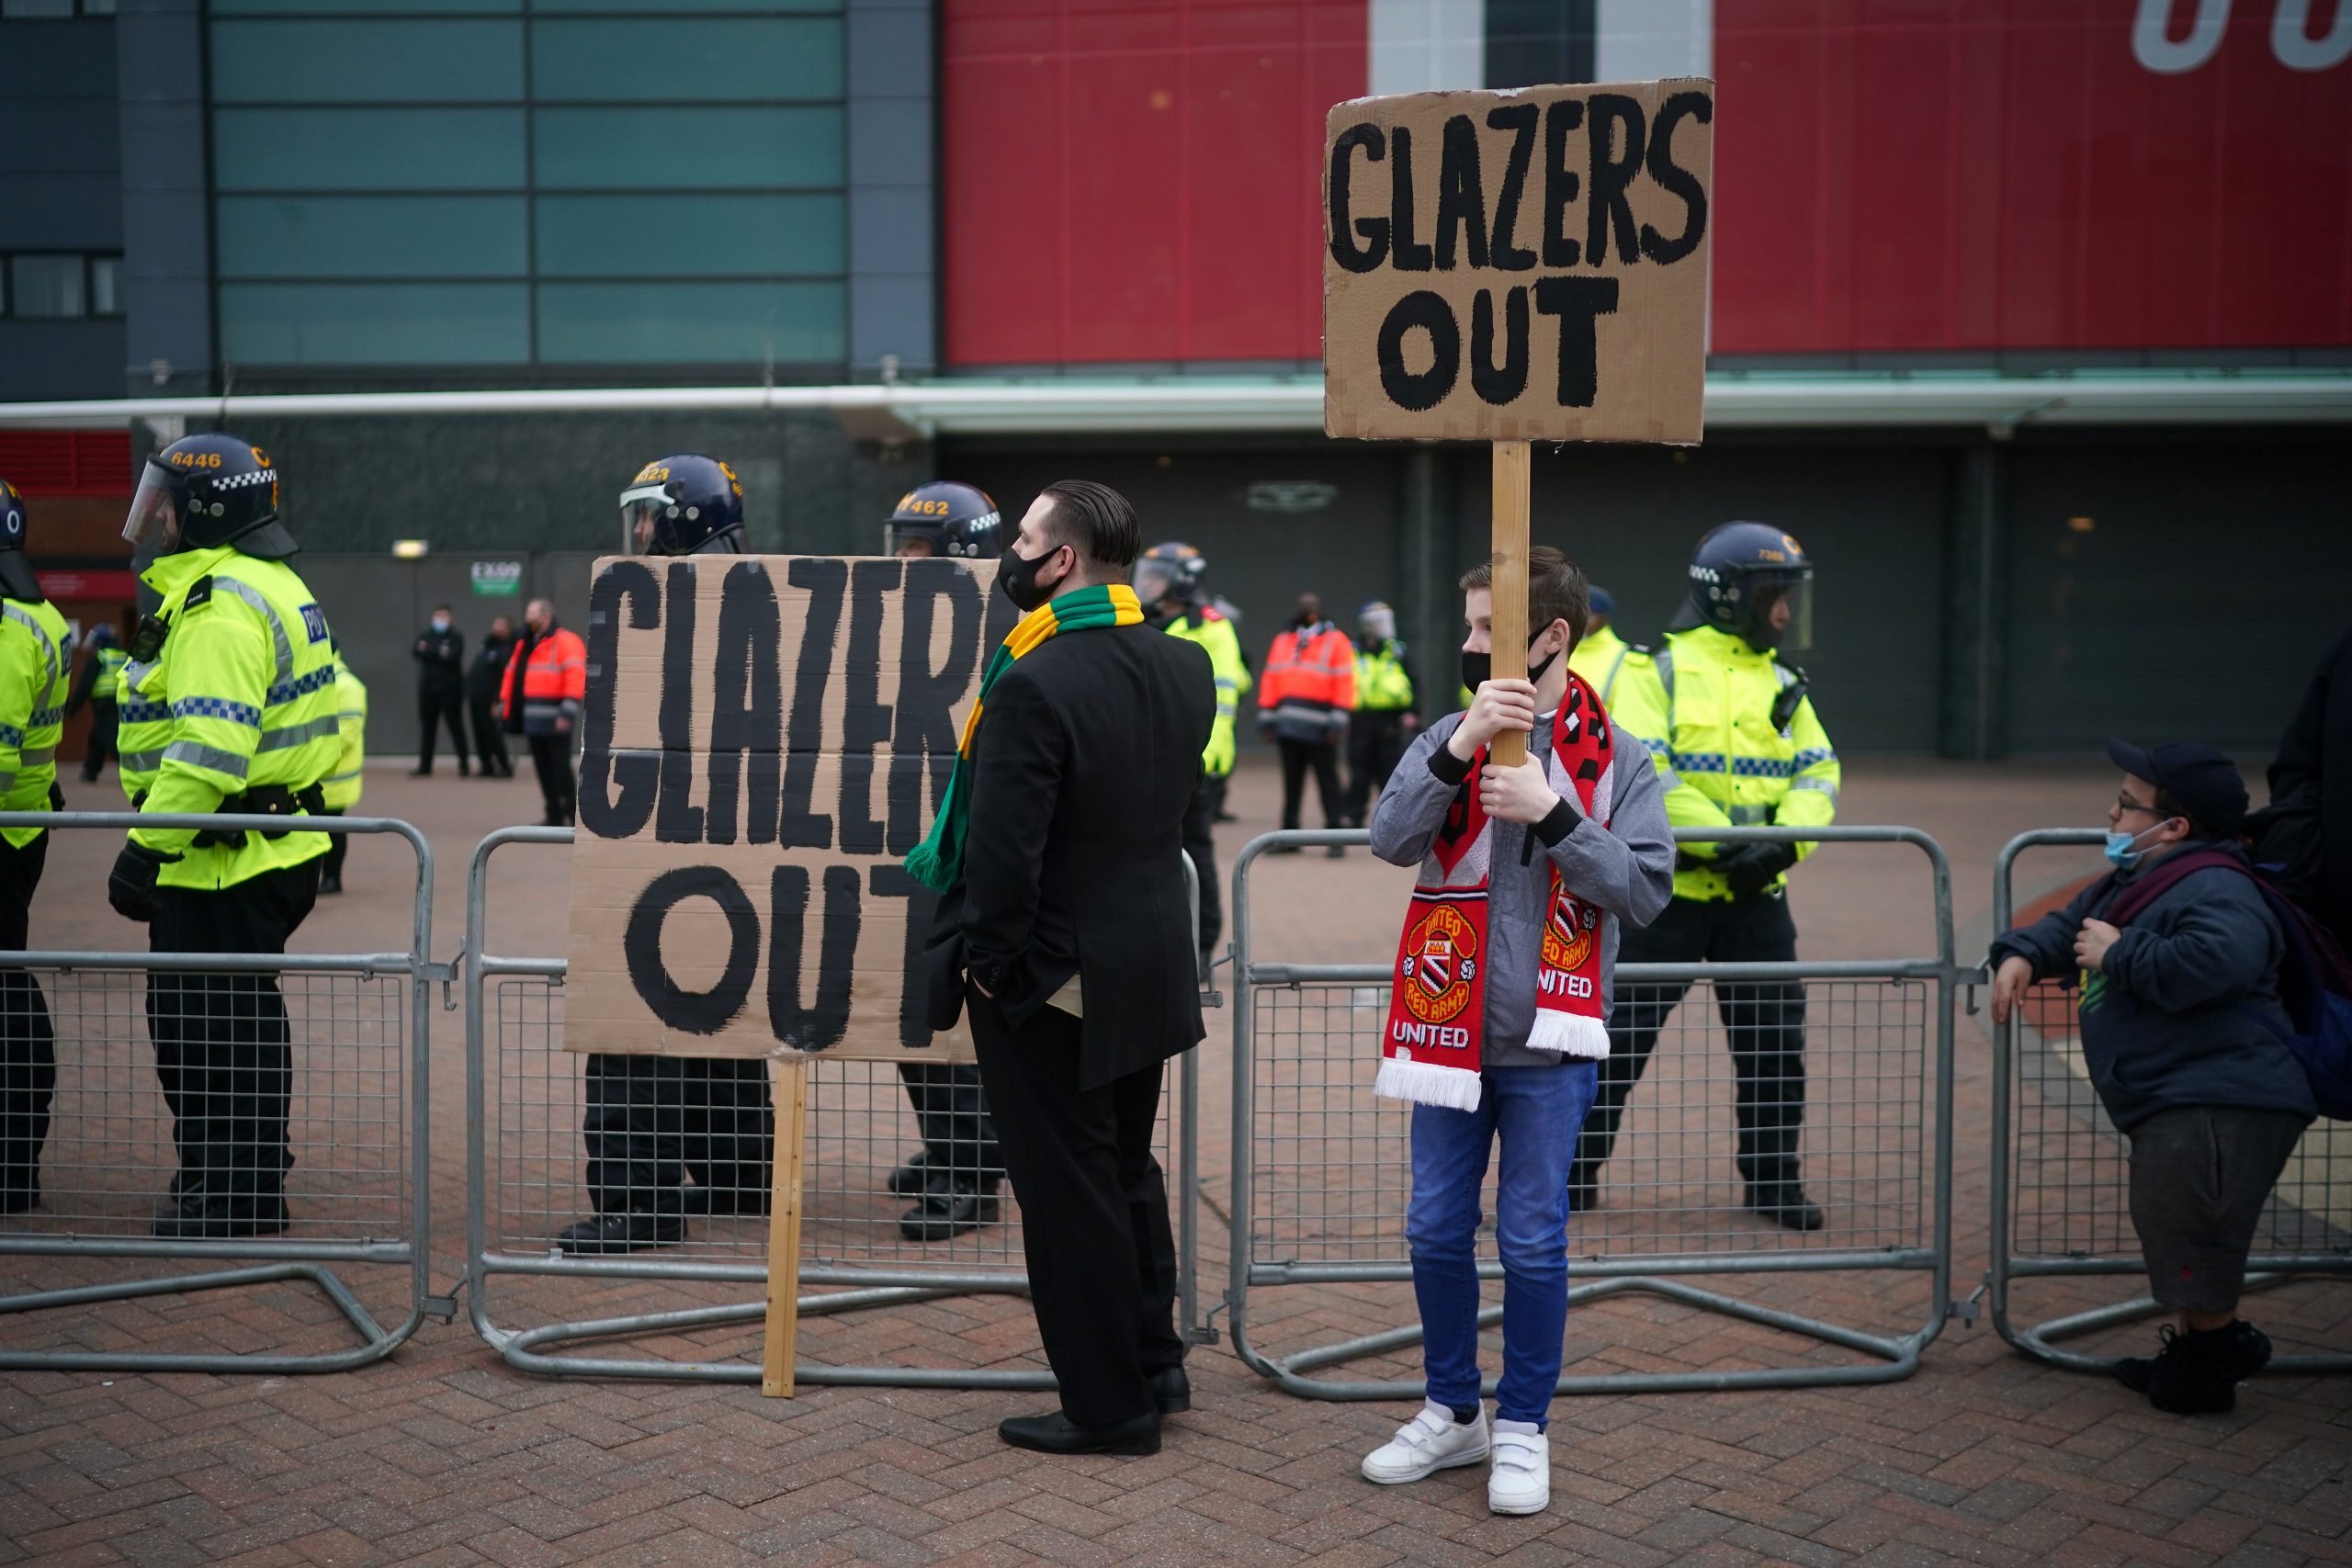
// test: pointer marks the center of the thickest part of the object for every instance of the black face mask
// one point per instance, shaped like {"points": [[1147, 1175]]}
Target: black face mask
{"points": [[1478, 669], [1017, 575]]}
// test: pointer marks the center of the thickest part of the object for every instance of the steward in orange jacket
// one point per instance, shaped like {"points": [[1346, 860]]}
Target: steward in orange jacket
{"points": [[547, 679], [1305, 696]]}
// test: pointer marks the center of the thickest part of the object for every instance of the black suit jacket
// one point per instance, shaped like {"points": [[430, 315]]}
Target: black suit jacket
{"points": [[1086, 755]]}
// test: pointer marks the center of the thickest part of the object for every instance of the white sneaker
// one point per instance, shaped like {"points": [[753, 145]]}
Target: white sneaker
{"points": [[1521, 1481], [1430, 1441]]}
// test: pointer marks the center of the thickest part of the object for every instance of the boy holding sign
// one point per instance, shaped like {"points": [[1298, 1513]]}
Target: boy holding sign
{"points": [[1501, 1011]]}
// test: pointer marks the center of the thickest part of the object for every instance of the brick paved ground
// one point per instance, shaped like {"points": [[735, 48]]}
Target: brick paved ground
{"points": [[445, 1455]]}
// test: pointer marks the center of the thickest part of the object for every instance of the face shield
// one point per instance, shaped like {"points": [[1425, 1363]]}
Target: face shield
{"points": [[1153, 581], [909, 543], [153, 521], [1783, 612], [642, 509], [1378, 625]]}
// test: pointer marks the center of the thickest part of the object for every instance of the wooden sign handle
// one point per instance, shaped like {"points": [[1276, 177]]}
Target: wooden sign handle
{"points": [[781, 1344], [1510, 489]]}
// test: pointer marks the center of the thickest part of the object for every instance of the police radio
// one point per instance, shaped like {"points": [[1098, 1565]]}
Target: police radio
{"points": [[1792, 697]]}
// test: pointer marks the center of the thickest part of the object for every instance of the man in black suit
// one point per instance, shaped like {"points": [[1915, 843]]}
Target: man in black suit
{"points": [[1069, 936]]}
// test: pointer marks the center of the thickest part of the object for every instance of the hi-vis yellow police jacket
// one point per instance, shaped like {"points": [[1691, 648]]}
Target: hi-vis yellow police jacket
{"points": [[246, 678], [341, 787], [36, 660], [1703, 704], [1599, 659], [1382, 684], [1216, 635]]}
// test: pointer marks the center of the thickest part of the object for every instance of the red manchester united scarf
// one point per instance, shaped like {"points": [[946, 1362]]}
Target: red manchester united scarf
{"points": [[1431, 1050]]}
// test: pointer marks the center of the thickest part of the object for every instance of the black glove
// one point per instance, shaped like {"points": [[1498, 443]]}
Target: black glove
{"points": [[131, 888], [56, 797], [1750, 868]]}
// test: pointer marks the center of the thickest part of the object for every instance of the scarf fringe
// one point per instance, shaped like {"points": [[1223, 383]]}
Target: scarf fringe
{"points": [[1427, 1083], [1568, 1034]]}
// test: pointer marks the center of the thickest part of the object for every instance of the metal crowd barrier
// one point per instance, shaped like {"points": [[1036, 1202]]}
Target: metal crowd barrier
{"points": [[358, 1119], [2061, 1194], [526, 1181], [1322, 1172]]}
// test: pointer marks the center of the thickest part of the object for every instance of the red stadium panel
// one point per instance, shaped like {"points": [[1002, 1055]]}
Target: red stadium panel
{"points": [[66, 462]]}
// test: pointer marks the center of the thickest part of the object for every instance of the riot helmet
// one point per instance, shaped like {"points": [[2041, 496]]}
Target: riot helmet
{"points": [[17, 579], [943, 518], [1170, 575], [1376, 622], [683, 505], [203, 491], [1741, 579]]}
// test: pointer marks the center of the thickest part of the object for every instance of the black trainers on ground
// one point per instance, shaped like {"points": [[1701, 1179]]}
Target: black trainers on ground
{"points": [[1785, 1204], [199, 1218], [949, 1208], [2197, 1373], [909, 1180], [621, 1233], [330, 882]]}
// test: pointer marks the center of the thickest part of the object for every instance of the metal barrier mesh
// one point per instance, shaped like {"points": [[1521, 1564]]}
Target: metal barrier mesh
{"points": [[108, 1165], [860, 1127], [2070, 1189], [1332, 1167]]}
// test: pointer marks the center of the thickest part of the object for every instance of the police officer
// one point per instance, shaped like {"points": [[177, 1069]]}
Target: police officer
{"points": [[99, 684], [652, 1121], [440, 654], [1169, 582], [341, 788], [954, 1176], [1383, 711], [36, 655], [1601, 656], [242, 663], [1737, 744]]}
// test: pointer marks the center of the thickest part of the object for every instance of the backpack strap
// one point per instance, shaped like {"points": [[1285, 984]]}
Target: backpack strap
{"points": [[2136, 899]]}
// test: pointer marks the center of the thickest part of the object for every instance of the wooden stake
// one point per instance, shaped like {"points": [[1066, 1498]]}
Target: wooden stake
{"points": [[1510, 583], [790, 1090]]}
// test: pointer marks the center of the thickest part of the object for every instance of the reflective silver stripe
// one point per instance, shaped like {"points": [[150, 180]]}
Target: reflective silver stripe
{"points": [[255, 597], [7, 783], [138, 762], [201, 756], [340, 778], [1663, 662], [1823, 786], [134, 672], [297, 735], [41, 635], [35, 756], [1748, 816], [1611, 685], [1668, 778]]}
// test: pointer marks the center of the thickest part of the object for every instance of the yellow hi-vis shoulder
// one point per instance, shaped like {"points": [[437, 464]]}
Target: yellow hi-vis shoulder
{"points": [[36, 664]]}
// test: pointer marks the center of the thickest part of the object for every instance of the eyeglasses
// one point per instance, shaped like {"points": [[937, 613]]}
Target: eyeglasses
{"points": [[2125, 803]]}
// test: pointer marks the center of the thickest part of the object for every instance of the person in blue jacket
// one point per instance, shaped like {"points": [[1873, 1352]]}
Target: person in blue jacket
{"points": [[2186, 1040]]}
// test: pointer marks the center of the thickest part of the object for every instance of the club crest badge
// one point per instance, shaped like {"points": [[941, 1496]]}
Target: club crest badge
{"points": [[1568, 934], [1441, 962]]}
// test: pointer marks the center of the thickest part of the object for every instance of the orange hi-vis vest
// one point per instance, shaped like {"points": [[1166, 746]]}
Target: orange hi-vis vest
{"points": [[1309, 685]]}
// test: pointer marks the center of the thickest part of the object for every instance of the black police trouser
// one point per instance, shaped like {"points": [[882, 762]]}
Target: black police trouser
{"points": [[100, 745], [28, 1043], [952, 1113], [223, 1049], [1375, 744], [654, 1121], [551, 755], [331, 863], [1765, 1023], [1298, 757], [1199, 816], [490, 743], [437, 705]]}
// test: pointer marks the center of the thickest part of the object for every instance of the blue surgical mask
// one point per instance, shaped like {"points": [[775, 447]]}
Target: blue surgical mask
{"points": [[2123, 849]]}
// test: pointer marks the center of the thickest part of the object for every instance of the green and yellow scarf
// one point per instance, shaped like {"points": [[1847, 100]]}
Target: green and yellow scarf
{"points": [[938, 861]]}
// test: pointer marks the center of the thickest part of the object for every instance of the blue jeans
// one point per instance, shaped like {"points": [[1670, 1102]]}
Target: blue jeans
{"points": [[1539, 1112]]}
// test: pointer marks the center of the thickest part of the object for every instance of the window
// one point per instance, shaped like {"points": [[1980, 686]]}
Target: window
{"points": [[60, 286], [376, 323], [367, 149], [693, 60], [371, 236], [106, 286], [690, 236], [334, 61], [706, 149]]}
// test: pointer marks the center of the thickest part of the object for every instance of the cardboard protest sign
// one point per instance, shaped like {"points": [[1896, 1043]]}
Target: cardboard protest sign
{"points": [[765, 739], [1526, 265]]}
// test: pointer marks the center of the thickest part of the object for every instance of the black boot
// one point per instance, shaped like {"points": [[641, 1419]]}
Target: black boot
{"points": [[2197, 1372], [951, 1205], [909, 1180], [1785, 1204], [621, 1233], [199, 1217], [1057, 1434], [1172, 1391]]}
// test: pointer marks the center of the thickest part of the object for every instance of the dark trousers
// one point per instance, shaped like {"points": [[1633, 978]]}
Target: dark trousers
{"points": [[654, 1121], [1376, 741], [99, 747], [28, 1043], [952, 1112], [1199, 816], [1324, 758], [490, 743], [1094, 1210], [331, 863], [1765, 1023], [551, 755], [221, 1046], [437, 705]]}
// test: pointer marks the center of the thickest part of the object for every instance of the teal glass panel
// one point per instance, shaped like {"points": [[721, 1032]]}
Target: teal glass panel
{"points": [[690, 236], [688, 60], [336, 62], [816, 7], [435, 148], [371, 236], [346, 7], [375, 323], [690, 323], [712, 149]]}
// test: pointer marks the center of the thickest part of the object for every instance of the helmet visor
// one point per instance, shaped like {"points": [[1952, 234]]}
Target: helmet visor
{"points": [[642, 513], [1153, 581], [911, 541], [154, 512], [1783, 610]]}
